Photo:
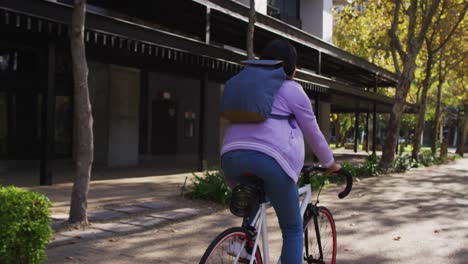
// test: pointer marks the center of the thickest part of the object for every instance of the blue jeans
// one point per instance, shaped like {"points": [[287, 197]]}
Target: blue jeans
{"points": [[280, 189]]}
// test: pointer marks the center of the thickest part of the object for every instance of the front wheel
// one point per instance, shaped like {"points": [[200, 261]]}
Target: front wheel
{"points": [[327, 231], [234, 243]]}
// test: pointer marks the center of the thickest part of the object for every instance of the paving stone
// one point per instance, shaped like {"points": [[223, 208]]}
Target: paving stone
{"points": [[172, 215], [56, 223], [145, 221], [58, 238], [190, 211], [105, 215], [156, 205], [62, 216], [129, 209], [86, 233], [116, 227]]}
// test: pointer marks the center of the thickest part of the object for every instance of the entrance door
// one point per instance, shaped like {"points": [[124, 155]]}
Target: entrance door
{"points": [[20, 105], [25, 130], [164, 127]]}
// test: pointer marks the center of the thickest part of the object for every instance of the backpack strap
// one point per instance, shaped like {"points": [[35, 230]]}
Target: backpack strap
{"points": [[290, 119]]}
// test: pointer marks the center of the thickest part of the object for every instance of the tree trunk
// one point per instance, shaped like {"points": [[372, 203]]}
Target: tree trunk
{"points": [[437, 112], [463, 134], [403, 86], [250, 31], [421, 116], [83, 115]]}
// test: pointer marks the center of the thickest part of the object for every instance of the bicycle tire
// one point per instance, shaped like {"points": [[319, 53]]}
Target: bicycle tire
{"points": [[327, 231], [217, 253]]}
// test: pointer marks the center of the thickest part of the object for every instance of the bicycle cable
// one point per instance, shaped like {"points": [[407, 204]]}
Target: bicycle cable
{"points": [[320, 190]]}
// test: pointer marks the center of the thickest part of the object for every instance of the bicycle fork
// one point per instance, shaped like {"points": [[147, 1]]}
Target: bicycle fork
{"points": [[313, 212]]}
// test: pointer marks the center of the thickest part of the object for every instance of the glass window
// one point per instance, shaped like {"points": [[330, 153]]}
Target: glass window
{"points": [[4, 62], [285, 10]]}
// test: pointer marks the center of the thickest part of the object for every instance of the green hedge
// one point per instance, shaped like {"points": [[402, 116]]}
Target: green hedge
{"points": [[25, 226]]}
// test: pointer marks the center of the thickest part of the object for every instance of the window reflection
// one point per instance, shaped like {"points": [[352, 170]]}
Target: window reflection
{"points": [[4, 62]]}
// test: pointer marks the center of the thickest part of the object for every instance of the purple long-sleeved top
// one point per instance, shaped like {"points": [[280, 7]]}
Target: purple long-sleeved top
{"points": [[277, 139]]}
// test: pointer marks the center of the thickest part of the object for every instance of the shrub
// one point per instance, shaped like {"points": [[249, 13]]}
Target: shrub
{"points": [[426, 158], [317, 180], [404, 163], [25, 226], [371, 167], [210, 186]]}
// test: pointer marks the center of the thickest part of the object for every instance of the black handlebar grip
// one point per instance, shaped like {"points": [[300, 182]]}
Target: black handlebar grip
{"points": [[349, 183]]}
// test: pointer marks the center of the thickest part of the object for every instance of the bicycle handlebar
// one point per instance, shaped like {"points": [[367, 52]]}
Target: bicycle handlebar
{"points": [[342, 172]]}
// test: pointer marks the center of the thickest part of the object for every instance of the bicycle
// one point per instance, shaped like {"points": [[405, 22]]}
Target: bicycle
{"points": [[239, 244]]}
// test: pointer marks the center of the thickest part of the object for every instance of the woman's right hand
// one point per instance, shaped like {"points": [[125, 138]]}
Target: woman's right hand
{"points": [[333, 169]]}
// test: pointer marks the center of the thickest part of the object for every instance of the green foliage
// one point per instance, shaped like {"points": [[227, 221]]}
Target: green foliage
{"points": [[426, 158], [210, 186], [404, 163], [25, 226], [317, 180], [370, 167]]}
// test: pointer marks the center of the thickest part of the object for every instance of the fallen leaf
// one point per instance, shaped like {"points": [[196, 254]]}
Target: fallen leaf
{"points": [[436, 231], [69, 258], [113, 240], [397, 238]]}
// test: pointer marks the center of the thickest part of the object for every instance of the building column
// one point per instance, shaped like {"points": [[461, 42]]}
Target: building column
{"points": [[374, 120], [367, 131], [201, 134], [48, 125], [356, 129], [324, 120]]}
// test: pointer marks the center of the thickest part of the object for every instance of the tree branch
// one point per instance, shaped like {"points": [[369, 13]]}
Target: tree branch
{"points": [[395, 41], [412, 13], [427, 22], [460, 18]]}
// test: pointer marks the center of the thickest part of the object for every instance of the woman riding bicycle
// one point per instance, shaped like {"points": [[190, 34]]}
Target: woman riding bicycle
{"points": [[273, 150]]}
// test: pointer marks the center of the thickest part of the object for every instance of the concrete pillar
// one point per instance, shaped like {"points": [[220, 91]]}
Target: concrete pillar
{"points": [[317, 18], [455, 137], [98, 83], [324, 119], [212, 121]]}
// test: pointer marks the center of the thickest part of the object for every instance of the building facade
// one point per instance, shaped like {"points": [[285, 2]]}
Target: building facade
{"points": [[156, 74]]}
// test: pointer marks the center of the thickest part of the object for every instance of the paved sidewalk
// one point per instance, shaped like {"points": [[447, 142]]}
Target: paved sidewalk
{"points": [[124, 206], [418, 217]]}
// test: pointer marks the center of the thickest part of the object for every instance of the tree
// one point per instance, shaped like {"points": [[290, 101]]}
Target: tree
{"points": [[450, 14], [250, 31], [464, 132], [83, 115], [404, 54]]}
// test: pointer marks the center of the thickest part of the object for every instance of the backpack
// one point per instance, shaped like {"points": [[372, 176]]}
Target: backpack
{"points": [[248, 96]]}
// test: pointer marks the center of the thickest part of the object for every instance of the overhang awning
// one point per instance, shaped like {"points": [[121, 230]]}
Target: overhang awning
{"points": [[109, 31]]}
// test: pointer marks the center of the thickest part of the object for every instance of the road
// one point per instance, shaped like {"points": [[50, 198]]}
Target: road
{"points": [[416, 217]]}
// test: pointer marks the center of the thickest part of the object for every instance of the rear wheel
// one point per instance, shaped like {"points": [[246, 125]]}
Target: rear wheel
{"points": [[231, 244], [326, 227]]}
